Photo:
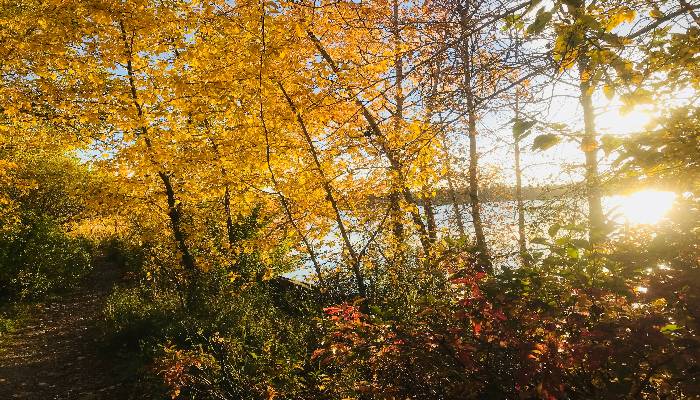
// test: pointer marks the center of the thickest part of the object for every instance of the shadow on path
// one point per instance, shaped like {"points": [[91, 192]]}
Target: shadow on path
{"points": [[56, 354]]}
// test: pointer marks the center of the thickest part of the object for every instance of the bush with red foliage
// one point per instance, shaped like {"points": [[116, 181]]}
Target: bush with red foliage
{"points": [[591, 325]]}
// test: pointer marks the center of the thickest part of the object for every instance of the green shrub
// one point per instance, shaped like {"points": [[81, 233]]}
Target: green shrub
{"points": [[233, 339], [40, 258], [134, 317], [13, 316], [130, 257], [37, 254], [7, 325]]}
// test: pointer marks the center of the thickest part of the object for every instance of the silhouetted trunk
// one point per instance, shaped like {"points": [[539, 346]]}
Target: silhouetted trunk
{"points": [[459, 221], [174, 206], [396, 213], [229, 219], [522, 239], [175, 215], [268, 150], [230, 233], [481, 245], [430, 217]]}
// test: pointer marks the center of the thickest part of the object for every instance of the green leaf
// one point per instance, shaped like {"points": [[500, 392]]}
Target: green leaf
{"points": [[562, 241], [541, 21], [589, 21], [553, 230], [540, 240], [573, 3], [609, 143], [375, 310], [656, 13], [521, 128], [572, 252], [575, 227], [513, 21], [670, 328], [545, 141], [580, 243]]}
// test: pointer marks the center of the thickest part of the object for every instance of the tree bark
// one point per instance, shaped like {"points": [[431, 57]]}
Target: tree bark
{"points": [[522, 239], [268, 150], [328, 189], [396, 214], [174, 206], [455, 204], [589, 145], [231, 235], [430, 217], [483, 256]]}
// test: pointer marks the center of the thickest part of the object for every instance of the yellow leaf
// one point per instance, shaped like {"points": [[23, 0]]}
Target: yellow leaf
{"points": [[622, 15], [609, 91], [589, 145], [656, 14]]}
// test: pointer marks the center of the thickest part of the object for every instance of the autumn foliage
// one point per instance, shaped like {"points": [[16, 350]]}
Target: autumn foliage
{"points": [[359, 199]]}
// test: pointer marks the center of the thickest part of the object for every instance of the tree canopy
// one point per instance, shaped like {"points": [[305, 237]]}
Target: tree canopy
{"points": [[302, 185]]}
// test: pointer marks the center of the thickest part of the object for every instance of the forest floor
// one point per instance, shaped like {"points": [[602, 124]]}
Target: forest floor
{"points": [[57, 351]]}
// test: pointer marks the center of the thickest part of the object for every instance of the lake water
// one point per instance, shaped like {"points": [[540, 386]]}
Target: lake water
{"points": [[500, 225]]}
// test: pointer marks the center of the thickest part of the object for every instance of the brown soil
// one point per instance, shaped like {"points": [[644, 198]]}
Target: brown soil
{"points": [[57, 353]]}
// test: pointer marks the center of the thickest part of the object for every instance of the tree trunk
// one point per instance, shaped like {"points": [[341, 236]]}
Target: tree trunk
{"points": [[229, 219], [430, 217], [396, 214], [395, 210], [522, 240], [175, 215], [589, 145], [231, 235], [325, 183], [378, 138], [459, 221], [481, 245], [174, 206]]}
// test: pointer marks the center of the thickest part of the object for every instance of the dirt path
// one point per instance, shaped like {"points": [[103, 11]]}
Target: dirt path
{"points": [[55, 355]]}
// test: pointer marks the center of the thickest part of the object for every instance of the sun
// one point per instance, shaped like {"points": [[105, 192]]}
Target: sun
{"points": [[624, 123], [646, 207]]}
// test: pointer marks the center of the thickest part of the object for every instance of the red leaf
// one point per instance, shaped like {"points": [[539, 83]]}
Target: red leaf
{"points": [[477, 327]]}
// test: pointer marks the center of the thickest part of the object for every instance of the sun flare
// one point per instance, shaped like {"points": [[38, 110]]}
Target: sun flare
{"points": [[619, 123], [644, 207]]}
